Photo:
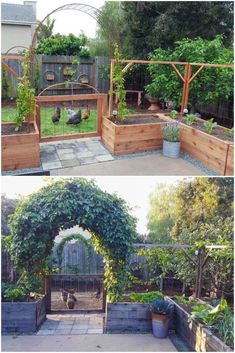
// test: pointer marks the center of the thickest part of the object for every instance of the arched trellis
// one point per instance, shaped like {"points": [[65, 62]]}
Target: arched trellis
{"points": [[62, 205]]}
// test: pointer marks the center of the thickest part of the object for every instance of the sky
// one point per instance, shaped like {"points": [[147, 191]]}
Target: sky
{"points": [[135, 190], [67, 21]]}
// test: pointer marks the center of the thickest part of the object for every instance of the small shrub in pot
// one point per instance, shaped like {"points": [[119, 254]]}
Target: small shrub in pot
{"points": [[171, 140], [161, 311]]}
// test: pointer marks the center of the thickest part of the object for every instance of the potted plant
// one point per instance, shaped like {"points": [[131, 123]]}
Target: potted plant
{"points": [[153, 97], [20, 140], [161, 311], [171, 140]]}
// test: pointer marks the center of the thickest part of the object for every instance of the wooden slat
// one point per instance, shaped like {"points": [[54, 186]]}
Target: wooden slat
{"points": [[229, 169], [66, 98]]}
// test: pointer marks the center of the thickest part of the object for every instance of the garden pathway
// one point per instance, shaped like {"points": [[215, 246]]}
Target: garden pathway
{"points": [[72, 324]]}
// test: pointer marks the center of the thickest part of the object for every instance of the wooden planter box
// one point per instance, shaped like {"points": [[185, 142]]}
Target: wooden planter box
{"points": [[205, 148], [21, 150], [135, 138], [127, 317], [23, 317], [197, 336], [230, 161]]}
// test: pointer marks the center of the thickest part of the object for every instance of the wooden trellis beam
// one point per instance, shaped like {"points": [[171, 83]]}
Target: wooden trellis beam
{"points": [[196, 73], [177, 72], [127, 67], [9, 69]]}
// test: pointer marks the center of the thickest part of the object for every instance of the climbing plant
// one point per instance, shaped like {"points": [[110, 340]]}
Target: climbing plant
{"points": [[62, 205], [80, 237]]}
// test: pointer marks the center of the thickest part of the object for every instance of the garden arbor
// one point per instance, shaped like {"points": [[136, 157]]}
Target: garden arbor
{"points": [[62, 205]]}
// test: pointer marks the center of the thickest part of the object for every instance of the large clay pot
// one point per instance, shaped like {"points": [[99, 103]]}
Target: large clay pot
{"points": [[154, 104], [160, 325]]}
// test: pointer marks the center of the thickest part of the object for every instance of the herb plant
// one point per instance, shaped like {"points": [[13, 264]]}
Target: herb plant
{"points": [[230, 132], [173, 114], [209, 125], [190, 119], [171, 132]]}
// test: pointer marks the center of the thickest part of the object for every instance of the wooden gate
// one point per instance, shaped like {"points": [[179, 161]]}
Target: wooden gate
{"points": [[46, 107], [88, 290]]}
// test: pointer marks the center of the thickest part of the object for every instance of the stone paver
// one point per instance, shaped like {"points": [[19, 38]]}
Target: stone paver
{"points": [[73, 153], [72, 324]]}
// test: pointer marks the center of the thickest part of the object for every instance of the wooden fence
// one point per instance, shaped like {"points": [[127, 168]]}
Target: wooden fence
{"points": [[54, 69]]}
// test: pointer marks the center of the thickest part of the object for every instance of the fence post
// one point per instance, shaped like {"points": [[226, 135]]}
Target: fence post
{"points": [[47, 291]]}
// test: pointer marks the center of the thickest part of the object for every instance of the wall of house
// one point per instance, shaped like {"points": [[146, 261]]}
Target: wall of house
{"points": [[13, 35]]}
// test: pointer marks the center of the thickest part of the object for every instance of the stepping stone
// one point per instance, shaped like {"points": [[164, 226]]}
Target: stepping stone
{"points": [[78, 332], [62, 332], [66, 156], [95, 331], [104, 158], [84, 154], [51, 165], [87, 160], [45, 332], [70, 163]]}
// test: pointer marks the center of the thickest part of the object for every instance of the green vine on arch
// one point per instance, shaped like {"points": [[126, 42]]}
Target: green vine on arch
{"points": [[80, 237], [63, 204]]}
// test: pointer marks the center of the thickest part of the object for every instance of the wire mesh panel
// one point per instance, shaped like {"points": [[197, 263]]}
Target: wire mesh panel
{"points": [[85, 292], [73, 116]]}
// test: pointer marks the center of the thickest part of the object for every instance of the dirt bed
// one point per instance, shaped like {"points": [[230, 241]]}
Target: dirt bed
{"points": [[132, 120], [9, 129], [85, 301]]}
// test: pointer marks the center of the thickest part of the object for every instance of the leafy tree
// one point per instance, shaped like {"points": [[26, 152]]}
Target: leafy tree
{"points": [[210, 85], [46, 29], [64, 45], [154, 24], [8, 208], [161, 216]]}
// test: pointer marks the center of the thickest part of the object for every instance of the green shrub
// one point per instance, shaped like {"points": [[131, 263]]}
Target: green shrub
{"points": [[171, 132], [12, 293], [190, 119], [209, 125], [146, 297]]}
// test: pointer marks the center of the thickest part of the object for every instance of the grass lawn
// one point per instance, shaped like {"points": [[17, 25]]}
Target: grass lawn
{"points": [[60, 128]]}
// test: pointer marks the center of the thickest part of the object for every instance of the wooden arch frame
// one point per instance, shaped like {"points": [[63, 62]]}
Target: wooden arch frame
{"points": [[186, 79]]}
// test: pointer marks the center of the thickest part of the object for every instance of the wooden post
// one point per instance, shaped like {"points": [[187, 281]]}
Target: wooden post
{"points": [[47, 291], [99, 114], [111, 88], [185, 95], [38, 120], [200, 265]]}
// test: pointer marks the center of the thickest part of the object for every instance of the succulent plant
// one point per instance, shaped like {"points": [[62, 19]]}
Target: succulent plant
{"points": [[171, 132], [162, 307]]}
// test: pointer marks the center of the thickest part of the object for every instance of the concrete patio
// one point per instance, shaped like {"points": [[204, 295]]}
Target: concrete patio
{"points": [[88, 156]]}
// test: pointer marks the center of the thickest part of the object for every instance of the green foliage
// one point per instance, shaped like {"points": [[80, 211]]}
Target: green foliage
{"points": [[209, 125], [173, 114], [161, 307], [146, 297], [12, 293], [171, 132], [158, 24], [36, 76], [161, 215], [80, 238], [25, 103], [8, 207], [46, 29], [119, 89], [211, 84], [190, 119], [5, 85], [181, 299], [230, 132], [62, 205], [220, 319], [64, 45]]}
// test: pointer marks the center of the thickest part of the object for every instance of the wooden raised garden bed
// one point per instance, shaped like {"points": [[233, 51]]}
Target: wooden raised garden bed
{"points": [[127, 317], [23, 317], [139, 136], [215, 153], [20, 149], [197, 336]]}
